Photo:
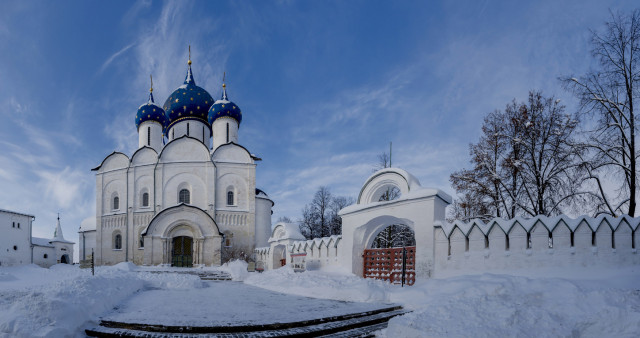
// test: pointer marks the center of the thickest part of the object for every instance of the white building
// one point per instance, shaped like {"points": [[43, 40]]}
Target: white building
{"points": [[188, 194], [18, 247], [15, 238]]}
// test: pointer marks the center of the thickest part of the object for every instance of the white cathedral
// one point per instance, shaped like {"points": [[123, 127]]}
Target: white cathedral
{"points": [[188, 193]]}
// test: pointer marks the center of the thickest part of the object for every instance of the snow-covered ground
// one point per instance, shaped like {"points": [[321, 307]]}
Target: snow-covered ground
{"points": [[529, 303], [63, 300]]}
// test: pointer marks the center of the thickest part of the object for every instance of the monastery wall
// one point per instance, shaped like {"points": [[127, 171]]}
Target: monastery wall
{"points": [[536, 242]]}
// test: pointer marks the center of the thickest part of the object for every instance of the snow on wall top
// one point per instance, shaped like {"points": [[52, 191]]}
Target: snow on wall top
{"points": [[331, 241], [41, 242], [88, 224], [549, 223]]}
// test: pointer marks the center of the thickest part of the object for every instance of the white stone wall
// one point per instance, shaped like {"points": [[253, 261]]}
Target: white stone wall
{"points": [[39, 258], [219, 129], [155, 139], [15, 242], [263, 220], [86, 243], [536, 242], [193, 128], [319, 252]]}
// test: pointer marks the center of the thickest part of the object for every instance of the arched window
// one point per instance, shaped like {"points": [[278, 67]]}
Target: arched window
{"points": [[117, 243], [149, 136], [46, 256], [141, 244], [230, 198], [187, 128], [184, 196], [145, 199], [116, 203]]}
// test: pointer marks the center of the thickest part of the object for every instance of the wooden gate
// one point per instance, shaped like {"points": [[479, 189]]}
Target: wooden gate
{"points": [[396, 265]]}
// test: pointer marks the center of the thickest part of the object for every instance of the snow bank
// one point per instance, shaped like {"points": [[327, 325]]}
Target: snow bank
{"points": [[321, 284], [63, 300], [237, 269]]}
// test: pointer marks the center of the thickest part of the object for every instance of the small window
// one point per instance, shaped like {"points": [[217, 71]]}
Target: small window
{"points": [[149, 136], [145, 199], [227, 132], [187, 128], [18, 225], [45, 256], [184, 196], [15, 247], [173, 134], [14, 224], [116, 203], [141, 244], [230, 198], [118, 242], [203, 134]]}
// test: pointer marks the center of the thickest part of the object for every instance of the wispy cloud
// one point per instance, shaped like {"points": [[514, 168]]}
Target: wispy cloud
{"points": [[114, 56]]}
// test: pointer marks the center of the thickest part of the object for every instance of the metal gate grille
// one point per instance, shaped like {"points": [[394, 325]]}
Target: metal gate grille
{"points": [[387, 264]]}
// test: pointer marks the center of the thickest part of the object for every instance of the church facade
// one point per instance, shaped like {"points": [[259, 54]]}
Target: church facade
{"points": [[188, 194]]}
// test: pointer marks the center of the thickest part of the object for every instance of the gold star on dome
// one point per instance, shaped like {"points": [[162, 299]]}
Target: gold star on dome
{"points": [[234, 107], [198, 107], [223, 106], [148, 116], [179, 114], [206, 102], [191, 112], [154, 109], [192, 99], [176, 100]]}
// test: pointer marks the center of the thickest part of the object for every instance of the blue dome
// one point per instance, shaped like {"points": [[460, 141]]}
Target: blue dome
{"points": [[188, 102], [150, 112], [224, 107]]}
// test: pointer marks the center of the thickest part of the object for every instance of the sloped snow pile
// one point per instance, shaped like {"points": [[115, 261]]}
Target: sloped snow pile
{"points": [[65, 300], [62, 300], [319, 284], [237, 269], [511, 306]]}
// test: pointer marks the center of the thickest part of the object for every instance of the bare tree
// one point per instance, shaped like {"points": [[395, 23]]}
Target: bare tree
{"points": [[320, 217], [609, 93], [284, 219], [394, 236], [525, 163]]}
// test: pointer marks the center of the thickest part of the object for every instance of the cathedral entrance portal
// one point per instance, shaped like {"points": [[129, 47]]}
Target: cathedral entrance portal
{"points": [[182, 253]]}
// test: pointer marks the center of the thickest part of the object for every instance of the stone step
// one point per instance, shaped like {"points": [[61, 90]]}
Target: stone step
{"points": [[356, 324]]}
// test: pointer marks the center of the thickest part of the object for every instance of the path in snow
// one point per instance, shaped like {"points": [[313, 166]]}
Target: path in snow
{"points": [[228, 304]]}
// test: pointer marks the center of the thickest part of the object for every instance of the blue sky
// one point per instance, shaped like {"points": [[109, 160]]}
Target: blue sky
{"points": [[324, 86]]}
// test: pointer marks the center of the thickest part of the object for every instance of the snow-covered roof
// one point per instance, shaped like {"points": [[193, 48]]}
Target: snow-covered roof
{"points": [[88, 224], [41, 242], [284, 230], [16, 213], [549, 223]]}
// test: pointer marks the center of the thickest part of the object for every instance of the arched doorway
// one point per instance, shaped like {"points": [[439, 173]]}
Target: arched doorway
{"points": [[279, 256], [182, 252], [64, 259]]}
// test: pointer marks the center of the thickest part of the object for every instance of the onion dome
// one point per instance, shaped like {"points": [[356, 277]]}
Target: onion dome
{"points": [[150, 111], [225, 108], [188, 102]]}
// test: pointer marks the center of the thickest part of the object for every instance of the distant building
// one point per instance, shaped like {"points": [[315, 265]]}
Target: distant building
{"points": [[18, 247], [86, 238], [15, 238]]}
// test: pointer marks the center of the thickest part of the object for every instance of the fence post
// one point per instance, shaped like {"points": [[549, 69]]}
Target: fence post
{"points": [[93, 264], [404, 264]]}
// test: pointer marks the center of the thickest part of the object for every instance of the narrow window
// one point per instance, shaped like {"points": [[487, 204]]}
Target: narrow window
{"points": [[116, 203], [145, 199], [486, 241], [173, 134], [46, 256], [633, 240], [149, 136], [118, 242], [141, 244], [203, 134], [449, 246], [230, 198], [528, 240], [227, 132], [14, 224], [613, 241], [572, 239], [15, 247], [550, 240], [184, 196], [187, 128], [506, 242], [466, 244], [593, 238], [18, 225]]}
